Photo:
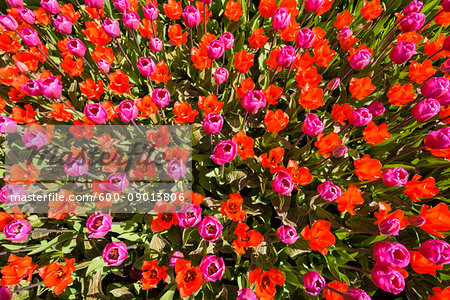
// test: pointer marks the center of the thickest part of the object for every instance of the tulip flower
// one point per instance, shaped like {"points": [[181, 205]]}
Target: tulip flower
{"points": [[111, 27], [114, 254], [436, 251], [212, 268], [98, 225], [304, 38], [391, 254], [17, 230], [287, 234], [96, 113], [314, 283], [8, 22], [388, 279], [210, 228], [395, 177], [425, 109], [27, 15]]}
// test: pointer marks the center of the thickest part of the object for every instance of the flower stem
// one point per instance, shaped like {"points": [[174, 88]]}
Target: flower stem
{"points": [[403, 154], [135, 40], [429, 21], [190, 35], [354, 268], [123, 51], [204, 15], [28, 287], [245, 120], [334, 290], [163, 115], [273, 41]]}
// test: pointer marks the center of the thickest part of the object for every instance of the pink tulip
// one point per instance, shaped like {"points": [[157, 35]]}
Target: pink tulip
{"points": [[51, 87], [176, 168], [313, 282], [339, 151], [75, 166], [103, 66], [155, 44], [7, 125], [402, 52], [425, 109], [286, 56], [390, 226], [436, 251], [388, 279], [376, 108], [220, 75], [98, 225], [76, 47], [51, 6], [62, 24], [5, 293], [391, 254], [27, 15], [281, 19], [146, 66], [253, 101], [121, 5], [32, 88], [246, 294], [131, 20], [360, 117], [175, 256], [115, 253], [15, 3], [412, 22], [227, 40], [333, 84], [34, 140], [161, 97], [8, 22], [17, 230], [445, 5], [191, 16], [189, 215], [329, 191], [98, 4], [287, 234], [210, 228], [111, 27], [96, 113], [438, 139], [150, 11], [212, 268], [30, 37], [224, 152], [437, 88], [116, 182], [395, 177], [127, 110], [9, 191], [313, 5], [213, 123], [312, 125], [413, 7], [344, 33], [356, 294], [304, 38], [445, 67], [360, 59], [282, 184], [215, 49]]}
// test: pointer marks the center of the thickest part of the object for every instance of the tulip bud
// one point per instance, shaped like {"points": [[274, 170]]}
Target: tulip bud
{"points": [[22, 67], [103, 66], [388, 279], [413, 7], [127, 110], [5, 293], [438, 139], [282, 184], [213, 123], [131, 20], [51, 6], [15, 3], [76, 47], [376, 108], [51, 87], [210, 229], [111, 27], [360, 117], [121, 5], [313, 5], [389, 226], [412, 22], [161, 97], [286, 56], [287, 234], [333, 84], [95, 112], [146, 66], [30, 37], [339, 151], [150, 11], [417, 221], [215, 49], [436, 251], [7, 125], [445, 5], [402, 52], [98, 4], [32, 88], [253, 101], [446, 45], [344, 33], [356, 294], [27, 15], [220, 75], [329, 191], [304, 38], [425, 109], [155, 44], [395, 177], [224, 152], [314, 283], [312, 125], [8, 22], [191, 16], [445, 67], [360, 59], [281, 19], [227, 40]]}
